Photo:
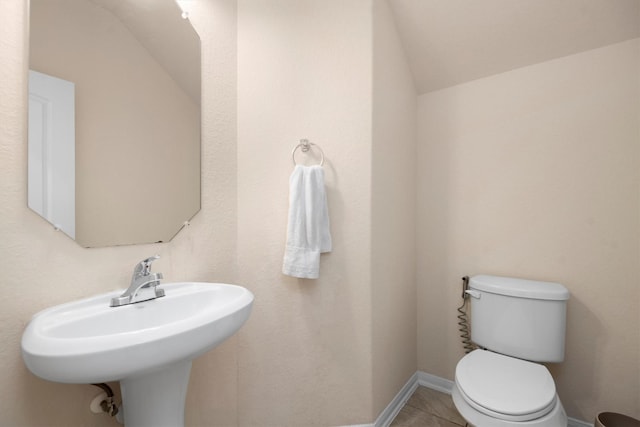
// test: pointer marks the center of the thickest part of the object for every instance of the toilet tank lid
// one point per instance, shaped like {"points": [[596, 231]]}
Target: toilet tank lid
{"points": [[521, 288]]}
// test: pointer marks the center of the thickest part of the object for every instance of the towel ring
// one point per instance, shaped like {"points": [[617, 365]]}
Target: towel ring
{"points": [[305, 146]]}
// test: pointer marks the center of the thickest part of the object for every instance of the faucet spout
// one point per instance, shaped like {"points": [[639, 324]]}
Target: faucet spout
{"points": [[146, 282], [143, 285]]}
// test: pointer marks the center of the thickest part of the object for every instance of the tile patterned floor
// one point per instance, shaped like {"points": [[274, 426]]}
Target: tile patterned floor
{"points": [[428, 408]]}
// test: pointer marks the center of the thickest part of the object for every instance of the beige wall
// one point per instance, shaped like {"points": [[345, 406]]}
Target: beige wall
{"points": [[306, 356], [40, 267], [336, 350], [534, 173], [393, 186], [132, 162], [304, 71], [315, 60]]}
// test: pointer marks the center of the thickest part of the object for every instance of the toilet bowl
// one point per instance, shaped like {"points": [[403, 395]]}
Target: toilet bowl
{"points": [[493, 390]]}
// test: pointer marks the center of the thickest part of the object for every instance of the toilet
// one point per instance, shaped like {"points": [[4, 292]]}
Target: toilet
{"points": [[516, 324]]}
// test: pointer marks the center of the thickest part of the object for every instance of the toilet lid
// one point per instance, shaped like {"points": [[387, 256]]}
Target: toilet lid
{"points": [[505, 387]]}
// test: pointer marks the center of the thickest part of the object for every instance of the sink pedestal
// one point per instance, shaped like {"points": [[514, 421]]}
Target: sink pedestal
{"points": [[157, 398]]}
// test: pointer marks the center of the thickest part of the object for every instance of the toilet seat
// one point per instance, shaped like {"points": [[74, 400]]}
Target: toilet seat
{"points": [[505, 387], [556, 418]]}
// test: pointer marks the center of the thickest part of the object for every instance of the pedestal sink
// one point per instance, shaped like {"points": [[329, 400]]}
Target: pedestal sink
{"points": [[147, 346]]}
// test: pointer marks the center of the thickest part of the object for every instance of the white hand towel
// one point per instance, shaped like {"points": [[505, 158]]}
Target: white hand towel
{"points": [[308, 230]]}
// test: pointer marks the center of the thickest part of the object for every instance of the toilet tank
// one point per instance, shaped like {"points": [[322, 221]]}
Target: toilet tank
{"points": [[520, 318]]}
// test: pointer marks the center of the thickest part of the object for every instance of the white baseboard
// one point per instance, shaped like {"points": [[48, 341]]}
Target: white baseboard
{"points": [[435, 383], [389, 413], [577, 423]]}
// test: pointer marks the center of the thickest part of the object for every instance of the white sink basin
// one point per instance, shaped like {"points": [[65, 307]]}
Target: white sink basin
{"points": [[88, 341]]}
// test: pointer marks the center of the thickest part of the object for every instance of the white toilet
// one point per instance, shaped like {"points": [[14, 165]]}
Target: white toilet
{"points": [[515, 323]]}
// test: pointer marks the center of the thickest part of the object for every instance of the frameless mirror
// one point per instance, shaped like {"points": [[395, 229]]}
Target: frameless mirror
{"points": [[114, 119]]}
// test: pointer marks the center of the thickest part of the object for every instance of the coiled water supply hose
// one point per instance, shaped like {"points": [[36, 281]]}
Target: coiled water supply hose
{"points": [[463, 321]]}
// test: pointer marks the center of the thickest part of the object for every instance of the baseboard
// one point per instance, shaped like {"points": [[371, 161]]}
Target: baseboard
{"points": [[435, 383], [577, 423], [389, 413]]}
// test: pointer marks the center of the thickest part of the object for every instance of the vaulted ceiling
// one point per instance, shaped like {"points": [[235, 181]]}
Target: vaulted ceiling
{"points": [[168, 38], [448, 42]]}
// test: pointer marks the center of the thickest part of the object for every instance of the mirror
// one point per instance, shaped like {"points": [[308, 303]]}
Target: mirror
{"points": [[114, 119]]}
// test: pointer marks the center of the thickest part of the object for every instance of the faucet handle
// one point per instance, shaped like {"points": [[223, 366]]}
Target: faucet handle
{"points": [[144, 266]]}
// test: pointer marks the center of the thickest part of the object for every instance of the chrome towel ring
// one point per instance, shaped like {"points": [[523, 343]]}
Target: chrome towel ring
{"points": [[305, 146]]}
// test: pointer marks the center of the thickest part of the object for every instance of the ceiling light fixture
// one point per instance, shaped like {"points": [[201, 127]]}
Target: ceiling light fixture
{"points": [[185, 6]]}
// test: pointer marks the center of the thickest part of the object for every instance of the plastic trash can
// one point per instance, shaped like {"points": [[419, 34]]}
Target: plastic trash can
{"points": [[611, 419]]}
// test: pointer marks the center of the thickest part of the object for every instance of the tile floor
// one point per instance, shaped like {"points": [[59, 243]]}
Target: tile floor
{"points": [[428, 408]]}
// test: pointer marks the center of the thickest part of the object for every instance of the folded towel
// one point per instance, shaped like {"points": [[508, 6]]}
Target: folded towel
{"points": [[308, 230]]}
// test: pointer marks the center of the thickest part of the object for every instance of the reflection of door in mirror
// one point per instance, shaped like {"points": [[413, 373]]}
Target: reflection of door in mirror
{"points": [[51, 190], [135, 66]]}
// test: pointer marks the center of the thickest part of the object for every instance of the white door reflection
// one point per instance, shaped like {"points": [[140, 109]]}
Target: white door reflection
{"points": [[51, 188]]}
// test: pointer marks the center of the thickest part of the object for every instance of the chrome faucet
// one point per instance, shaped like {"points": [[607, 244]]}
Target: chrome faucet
{"points": [[143, 285]]}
